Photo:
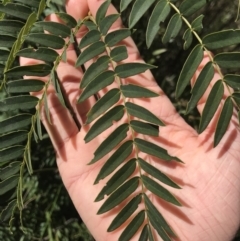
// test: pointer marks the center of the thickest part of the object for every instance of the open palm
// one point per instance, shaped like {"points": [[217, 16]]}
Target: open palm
{"points": [[210, 179]]}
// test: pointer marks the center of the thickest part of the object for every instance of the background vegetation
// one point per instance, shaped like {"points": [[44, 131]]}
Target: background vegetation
{"points": [[49, 213]]}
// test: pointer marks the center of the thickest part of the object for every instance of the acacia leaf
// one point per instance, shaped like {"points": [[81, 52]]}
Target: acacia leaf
{"points": [[42, 53], [144, 234], [119, 53], [117, 180], [110, 142], [138, 10], [124, 4], [12, 138], [18, 102], [190, 66], [222, 39], [223, 121], [135, 91], [201, 85], [103, 104], [133, 227], [157, 216], [119, 195], [154, 172], [25, 85], [90, 37], [159, 14], [11, 153], [117, 158], [17, 122], [107, 22], [142, 113], [188, 7], [173, 28], [9, 170], [101, 81], [228, 60], [212, 103], [116, 36], [131, 69], [67, 19], [103, 123], [144, 128], [154, 150], [94, 70], [232, 80], [125, 213], [102, 10], [158, 190], [90, 52]]}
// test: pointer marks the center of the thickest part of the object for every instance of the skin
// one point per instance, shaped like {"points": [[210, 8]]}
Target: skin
{"points": [[210, 179]]}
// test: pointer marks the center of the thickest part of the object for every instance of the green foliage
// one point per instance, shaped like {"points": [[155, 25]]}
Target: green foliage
{"points": [[22, 35]]}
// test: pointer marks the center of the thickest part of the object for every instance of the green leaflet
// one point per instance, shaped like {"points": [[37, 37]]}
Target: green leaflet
{"points": [[11, 27], [117, 158], [7, 41], [135, 91], [101, 81], [154, 172], [222, 39], [188, 7], [46, 40], [131, 69], [159, 14], [133, 227], [39, 126], [211, 105], [119, 53], [228, 60], [125, 213], [9, 170], [158, 190], [103, 104], [44, 54], [197, 23], [157, 216], [201, 85], [18, 102], [90, 25], [116, 36], [144, 128], [30, 70], [144, 234], [32, 3], [138, 9], [124, 4], [232, 80], [55, 28], [107, 22], [8, 211], [223, 121], [17, 122], [154, 150], [119, 195], [173, 28], [236, 97], [115, 114], [188, 38], [16, 10], [142, 113], [12, 138], [67, 19], [102, 11], [110, 142], [189, 68], [11, 153], [90, 52], [117, 180], [89, 38], [25, 85], [46, 109], [94, 70], [4, 55], [8, 184]]}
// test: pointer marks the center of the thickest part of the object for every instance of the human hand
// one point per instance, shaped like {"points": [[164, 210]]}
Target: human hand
{"points": [[209, 178]]}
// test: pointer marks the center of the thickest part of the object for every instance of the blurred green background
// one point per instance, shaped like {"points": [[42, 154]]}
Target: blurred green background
{"points": [[49, 213]]}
